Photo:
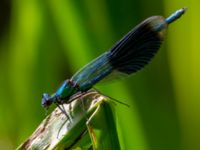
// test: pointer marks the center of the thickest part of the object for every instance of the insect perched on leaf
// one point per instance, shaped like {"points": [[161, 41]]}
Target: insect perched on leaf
{"points": [[127, 56]]}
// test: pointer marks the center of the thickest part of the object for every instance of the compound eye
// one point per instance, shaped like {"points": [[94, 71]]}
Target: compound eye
{"points": [[46, 100]]}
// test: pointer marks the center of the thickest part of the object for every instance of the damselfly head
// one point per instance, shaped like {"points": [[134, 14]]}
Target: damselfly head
{"points": [[46, 100]]}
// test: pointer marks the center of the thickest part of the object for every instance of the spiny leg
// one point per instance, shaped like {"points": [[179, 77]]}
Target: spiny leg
{"points": [[83, 105], [113, 99], [80, 96], [66, 114]]}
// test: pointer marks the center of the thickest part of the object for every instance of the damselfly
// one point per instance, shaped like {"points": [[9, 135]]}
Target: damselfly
{"points": [[127, 56]]}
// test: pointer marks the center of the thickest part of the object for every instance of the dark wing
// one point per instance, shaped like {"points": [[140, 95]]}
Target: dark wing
{"points": [[139, 46], [127, 56]]}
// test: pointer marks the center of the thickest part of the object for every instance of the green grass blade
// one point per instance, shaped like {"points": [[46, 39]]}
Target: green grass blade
{"points": [[58, 132], [102, 128]]}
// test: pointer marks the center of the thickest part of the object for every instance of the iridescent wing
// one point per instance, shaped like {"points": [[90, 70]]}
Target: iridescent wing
{"points": [[127, 56]]}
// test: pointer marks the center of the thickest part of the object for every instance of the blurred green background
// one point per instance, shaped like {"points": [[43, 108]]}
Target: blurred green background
{"points": [[44, 42]]}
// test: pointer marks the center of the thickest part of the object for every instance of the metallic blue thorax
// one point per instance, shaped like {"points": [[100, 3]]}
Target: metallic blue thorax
{"points": [[84, 79]]}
